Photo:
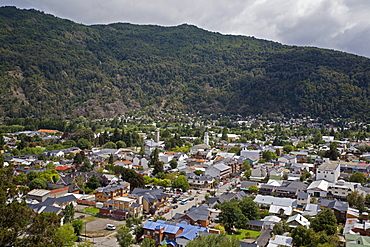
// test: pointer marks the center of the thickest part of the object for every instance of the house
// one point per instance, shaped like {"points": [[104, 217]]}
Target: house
{"points": [[228, 196], [255, 225], [354, 240], [218, 171], [112, 191], [276, 173], [38, 195], [281, 210], [41, 195], [252, 156], [303, 198], [175, 234], [328, 171], [131, 206], [266, 189], [280, 240], [318, 188], [200, 216], [270, 200], [258, 173], [155, 198], [55, 205], [244, 185], [339, 208], [290, 189], [342, 189], [298, 220], [203, 181], [311, 209]]}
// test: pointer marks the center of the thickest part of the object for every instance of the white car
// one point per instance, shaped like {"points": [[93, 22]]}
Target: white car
{"points": [[110, 227]]}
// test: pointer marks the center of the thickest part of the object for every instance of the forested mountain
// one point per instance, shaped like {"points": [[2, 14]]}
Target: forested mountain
{"points": [[52, 67]]}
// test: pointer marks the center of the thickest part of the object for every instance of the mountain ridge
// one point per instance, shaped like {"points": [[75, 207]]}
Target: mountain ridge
{"points": [[53, 67]]}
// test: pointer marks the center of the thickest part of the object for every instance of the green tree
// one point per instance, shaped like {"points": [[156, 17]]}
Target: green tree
{"points": [[86, 167], [249, 208], [43, 231], [93, 182], [224, 134], [121, 144], [231, 215], [325, 221], [78, 226], [139, 231], [357, 177], [198, 172], [110, 145], [65, 235], [124, 237], [2, 142], [181, 183], [173, 163], [111, 159], [303, 236], [148, 242], [278, 229], [253, 189], [15, 215], [214, 240], [235, 150], [38, 183], [136, 180], [268, 155], [288, 148], [356, 199], [158, 167], [31, 175], [78, 159], [69, 213], [333, 153], [83, 144]]}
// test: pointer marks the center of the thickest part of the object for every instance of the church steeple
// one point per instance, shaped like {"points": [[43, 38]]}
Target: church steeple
{"points": [[206, 137]]}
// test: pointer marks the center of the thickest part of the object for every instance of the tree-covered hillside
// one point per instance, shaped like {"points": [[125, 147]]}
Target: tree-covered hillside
{"points": [[51, 67]]}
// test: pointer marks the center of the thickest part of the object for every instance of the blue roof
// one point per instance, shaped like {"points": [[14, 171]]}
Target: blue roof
{"points": [[189, 231]]}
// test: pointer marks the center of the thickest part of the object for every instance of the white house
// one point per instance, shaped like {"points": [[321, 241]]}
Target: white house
{"points": [[298, 220], [318, 188], [328, 171]]}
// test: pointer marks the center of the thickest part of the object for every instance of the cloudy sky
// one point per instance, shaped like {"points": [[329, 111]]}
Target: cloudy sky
{"points": [[335, 24]]}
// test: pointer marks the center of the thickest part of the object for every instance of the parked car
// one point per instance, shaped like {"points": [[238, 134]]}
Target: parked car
{"points": [[175, 206], [192, 198], [199, 192], [110, 227], [167, 210]]}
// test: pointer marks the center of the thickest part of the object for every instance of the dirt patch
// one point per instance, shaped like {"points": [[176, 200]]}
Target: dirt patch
{"points": [[96, 228]]}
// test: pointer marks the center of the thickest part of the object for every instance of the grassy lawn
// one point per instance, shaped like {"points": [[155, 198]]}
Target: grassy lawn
{"points": [[91, 210], [243, 233]]}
